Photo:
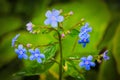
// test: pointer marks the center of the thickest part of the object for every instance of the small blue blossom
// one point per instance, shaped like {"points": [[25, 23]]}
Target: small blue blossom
{"points": [[21, 52], [105, 57], [36, 55], [83, 35], [29, 27], [53, 17], [86, 62], [15, 39]]}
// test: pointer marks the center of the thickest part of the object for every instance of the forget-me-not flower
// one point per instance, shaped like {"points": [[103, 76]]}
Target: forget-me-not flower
{"points": [[105, 57], [86, 62], [36, 55], [83, 35], [15, 39], [29, 27], [21, 52], [53, 17]]}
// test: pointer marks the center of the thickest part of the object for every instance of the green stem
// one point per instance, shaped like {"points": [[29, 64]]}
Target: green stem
{"points": [[60, 65], [74, 46]]}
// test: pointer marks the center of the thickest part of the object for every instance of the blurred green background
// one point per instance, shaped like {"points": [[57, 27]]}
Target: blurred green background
{"points": [[102, 15]]}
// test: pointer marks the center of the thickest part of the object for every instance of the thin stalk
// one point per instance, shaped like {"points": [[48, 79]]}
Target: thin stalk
{"points": [[74, 46], [60, 65]]}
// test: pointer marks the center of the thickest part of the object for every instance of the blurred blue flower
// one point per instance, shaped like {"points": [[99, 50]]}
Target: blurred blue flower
{"points": [[15, 39], [21, 52], [83, 35], [36, 55], [29, 27], [53, 17], [86, 62], [105, 57]]}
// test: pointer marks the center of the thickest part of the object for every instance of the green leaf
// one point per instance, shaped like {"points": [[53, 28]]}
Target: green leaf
{"points": [[73, 71], [34, 68], [74, 32], [109, 33], [116, 48], [50, 52]]}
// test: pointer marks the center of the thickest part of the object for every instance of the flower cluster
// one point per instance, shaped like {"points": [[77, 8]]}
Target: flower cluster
{"points": [[53, 18], [21, 52], [83, 35], [86, 62]]}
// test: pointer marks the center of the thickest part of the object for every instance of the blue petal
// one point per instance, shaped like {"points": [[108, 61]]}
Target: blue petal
{"points": [[89, 58], [84, 35], [14, 39], [55, 12], [17, 36], [39, 60], [32, 57], [106, 57], [82, 29], [80, 41], [83, 59], [88, 29], [86, 25], [20, 56], [17, 51], [13, 42], [54, 24], [60, 18], [31, 51], [87, 41], [92, 64], [83, 44], [48, 13], [25, 56], [37, 51], [47, 22], [81, 64], [24, 50], [20, 46], [87, 67], [42, 56]]}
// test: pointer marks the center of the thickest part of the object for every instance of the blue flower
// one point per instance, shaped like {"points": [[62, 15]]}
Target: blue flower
{"points": [[29, 27], [15, 39], [105, 57], [53, 17], [86, 62], [21, 52], [36, 55], [83, 35]]}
